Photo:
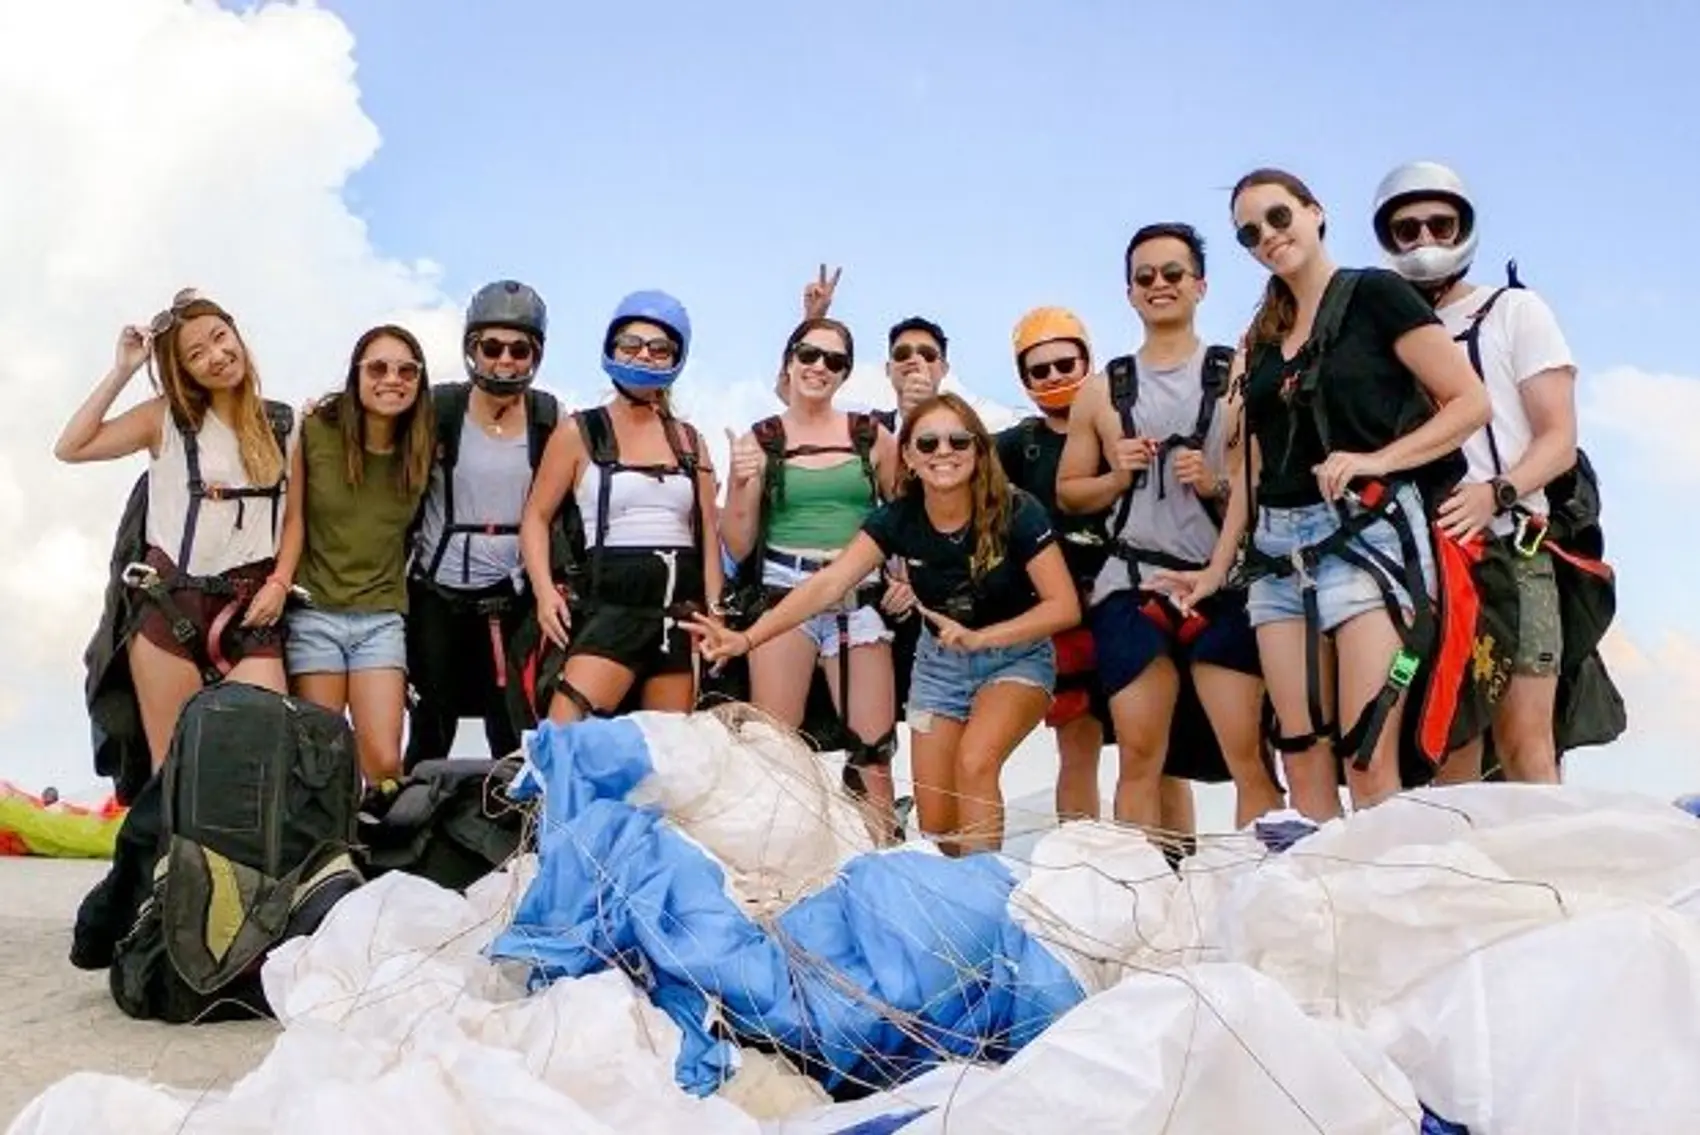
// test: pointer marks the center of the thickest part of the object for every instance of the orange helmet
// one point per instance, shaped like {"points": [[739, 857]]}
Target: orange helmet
{"points": [[1047, 325]]}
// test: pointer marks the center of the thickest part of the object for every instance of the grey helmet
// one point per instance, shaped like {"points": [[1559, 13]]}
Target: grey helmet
{"points": [[1430, 264], [509, 304]]}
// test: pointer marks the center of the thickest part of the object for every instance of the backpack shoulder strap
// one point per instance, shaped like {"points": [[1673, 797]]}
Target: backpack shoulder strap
{"points": [[449, 401], [281, 417], [1213, 382], [542, 414], [1330, 317], [770, 435], [597, 430], [864, 434]]}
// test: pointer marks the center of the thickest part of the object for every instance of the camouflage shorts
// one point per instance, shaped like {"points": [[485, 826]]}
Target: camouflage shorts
{"points": [[1540, 632]]}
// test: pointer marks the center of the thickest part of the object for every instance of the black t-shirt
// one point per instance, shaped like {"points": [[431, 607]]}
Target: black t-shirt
{"points": [[1030, 453], [939, 563], [1368, 395]]}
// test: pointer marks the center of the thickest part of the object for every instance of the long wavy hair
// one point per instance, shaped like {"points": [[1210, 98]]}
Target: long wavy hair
{"points": [[189, 401], [988, 485], [1278, 311], [416, 427]]}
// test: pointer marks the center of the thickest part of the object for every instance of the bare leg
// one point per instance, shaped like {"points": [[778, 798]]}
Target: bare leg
{"points": [[602, 681], [1004, 714], [1365, 646], [873, 713], [1234, 704], [1080, 746], [1143, 711], [163, 683], [1522, 730], [377, 699], [1311, 775]]}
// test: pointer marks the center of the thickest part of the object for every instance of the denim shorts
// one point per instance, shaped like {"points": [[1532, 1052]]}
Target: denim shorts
{"points": [[944, 682], [343, 642], [867, 625], [1343, 591]]}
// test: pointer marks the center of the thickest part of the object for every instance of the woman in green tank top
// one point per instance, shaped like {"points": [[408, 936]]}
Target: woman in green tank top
{"points": [[356, 477], [782, 523]]}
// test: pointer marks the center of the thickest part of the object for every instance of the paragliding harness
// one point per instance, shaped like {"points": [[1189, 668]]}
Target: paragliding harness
{"points": [[205, 643], [450, 821], [1123, 374], [752, 596], [1454, 658], [451, 401], [1588, 710], [576, 564]]}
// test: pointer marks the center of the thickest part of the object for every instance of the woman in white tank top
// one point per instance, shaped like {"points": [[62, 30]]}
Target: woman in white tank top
{"points": [[211, 540], [638, 484]]}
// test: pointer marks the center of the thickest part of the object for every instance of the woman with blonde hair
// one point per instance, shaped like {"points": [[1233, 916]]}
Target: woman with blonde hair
{"points": [[209, 597], [991, 583]]}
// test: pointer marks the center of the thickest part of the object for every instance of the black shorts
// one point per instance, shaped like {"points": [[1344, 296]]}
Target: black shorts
{"points": [[1128, 639], [634, 617]]}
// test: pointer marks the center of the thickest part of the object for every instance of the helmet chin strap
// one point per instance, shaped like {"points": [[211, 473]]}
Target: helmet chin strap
{"points": [[1434, 290], [637, 399]]}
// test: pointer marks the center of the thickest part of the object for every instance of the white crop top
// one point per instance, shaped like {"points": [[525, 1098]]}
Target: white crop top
{"points": [[645, 510], [228, 533]]}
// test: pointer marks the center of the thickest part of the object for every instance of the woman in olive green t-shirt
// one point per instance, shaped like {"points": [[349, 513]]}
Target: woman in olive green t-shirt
{"points": [[356, 478]]}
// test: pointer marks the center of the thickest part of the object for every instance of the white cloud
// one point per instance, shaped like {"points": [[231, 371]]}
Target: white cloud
{"points": [[183, 144], [1653, 414]]}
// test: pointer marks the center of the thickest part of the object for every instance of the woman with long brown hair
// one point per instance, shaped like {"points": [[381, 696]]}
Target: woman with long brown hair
{"points": [[991, 583], [1354, 404], [207, 593], [356, 478]]}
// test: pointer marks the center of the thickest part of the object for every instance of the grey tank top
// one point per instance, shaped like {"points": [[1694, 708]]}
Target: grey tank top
{"points": [[1164, 515], [492, 477]]}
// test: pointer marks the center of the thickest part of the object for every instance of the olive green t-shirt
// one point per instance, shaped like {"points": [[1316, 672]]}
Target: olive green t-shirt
{"points": [[356, 548]]}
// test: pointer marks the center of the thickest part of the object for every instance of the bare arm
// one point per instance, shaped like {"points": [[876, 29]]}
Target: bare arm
{"points": [[820, 590], [1057, 610], [293, 540], [708, 488], [1241, 447], [1080, 487], [556, 474], [91, 436], [1549, 399], [1444, 371]]}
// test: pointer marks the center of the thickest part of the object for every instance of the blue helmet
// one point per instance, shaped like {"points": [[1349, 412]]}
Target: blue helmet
{"points": [[653, 307]]}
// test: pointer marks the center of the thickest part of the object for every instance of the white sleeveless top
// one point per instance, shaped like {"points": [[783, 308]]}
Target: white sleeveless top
{"points": [[228, 533], [645, 510]]}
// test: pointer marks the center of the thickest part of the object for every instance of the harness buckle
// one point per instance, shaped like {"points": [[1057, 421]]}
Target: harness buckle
{"points": [[139, 575], [1522, 542], [1301, 567], [1403, 670]]}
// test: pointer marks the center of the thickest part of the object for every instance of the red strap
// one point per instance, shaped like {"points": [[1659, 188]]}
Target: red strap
{"points": [[497, 653], [1597, 568]]}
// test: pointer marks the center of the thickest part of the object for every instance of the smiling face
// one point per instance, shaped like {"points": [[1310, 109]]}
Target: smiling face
{"points": [[1166, 287], [818, 365], [942, 451], [210, 353], [1279, 229], [389, 377]]}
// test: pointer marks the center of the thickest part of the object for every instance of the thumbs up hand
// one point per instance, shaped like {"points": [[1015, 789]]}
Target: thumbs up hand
{"points": [[748, 461]]}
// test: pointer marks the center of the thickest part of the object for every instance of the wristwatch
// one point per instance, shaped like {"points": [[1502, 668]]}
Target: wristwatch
{"points": [[1504, 494]]}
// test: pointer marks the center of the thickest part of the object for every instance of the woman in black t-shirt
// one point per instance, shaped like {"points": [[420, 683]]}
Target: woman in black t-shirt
{"points": [[1399, 399], [991, 583]]}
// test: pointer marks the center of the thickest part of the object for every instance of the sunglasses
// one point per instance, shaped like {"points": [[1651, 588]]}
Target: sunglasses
{"points": [[902, 352], [959, 441], [835, 361], [379, 369], [1279, 218], [660, 348], [519, 350], [1409, 230], [1173, 273], [168, 318], [1039, 372]]}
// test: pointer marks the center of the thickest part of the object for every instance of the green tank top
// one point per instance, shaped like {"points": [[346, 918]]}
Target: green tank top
{"points": [[820, 509], [356, 542]]}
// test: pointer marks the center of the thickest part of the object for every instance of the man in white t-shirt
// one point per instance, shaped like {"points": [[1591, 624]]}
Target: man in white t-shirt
{"points": [[1426, 222]]}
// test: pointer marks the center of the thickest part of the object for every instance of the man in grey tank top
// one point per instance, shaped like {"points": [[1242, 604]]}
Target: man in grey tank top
{"points": [[1185, 692], [466, 588]]}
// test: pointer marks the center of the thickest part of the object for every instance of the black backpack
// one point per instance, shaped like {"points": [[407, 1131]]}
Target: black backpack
{"points": [[1123, 375], [450, 822], [1589, 709], [258, 798], [120, 744], [449, 402]]}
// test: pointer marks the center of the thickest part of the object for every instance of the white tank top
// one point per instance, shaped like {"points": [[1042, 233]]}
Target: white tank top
{"points": [[228, 533], [645, 510]]}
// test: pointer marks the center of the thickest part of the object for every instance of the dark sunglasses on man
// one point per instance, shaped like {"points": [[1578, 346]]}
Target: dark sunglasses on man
{"points": [[904, 351]]}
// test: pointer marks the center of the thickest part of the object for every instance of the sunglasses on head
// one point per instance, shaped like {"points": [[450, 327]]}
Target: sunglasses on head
{"points": [[1039, 372], [407, 370], [168, 318], [1173, 273], [959, 441], [1409, 230], [659, 348], [902, 352], [519, 350], [808, 354], [1278, 217]]}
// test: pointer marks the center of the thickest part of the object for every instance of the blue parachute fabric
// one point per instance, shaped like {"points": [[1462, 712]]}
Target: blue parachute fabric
{"points": [[1434, 1125], [906, 957], [884, 1124]]}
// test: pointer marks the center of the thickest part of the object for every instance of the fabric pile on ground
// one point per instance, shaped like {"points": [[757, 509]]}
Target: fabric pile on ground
{"points": [[706, 940]]}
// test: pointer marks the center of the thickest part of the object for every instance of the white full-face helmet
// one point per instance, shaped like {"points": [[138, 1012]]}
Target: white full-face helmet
{"points": [[1431, 265]]}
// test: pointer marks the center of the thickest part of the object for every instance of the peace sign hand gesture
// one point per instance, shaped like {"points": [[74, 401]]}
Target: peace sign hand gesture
{"points": [[817, 294]]}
